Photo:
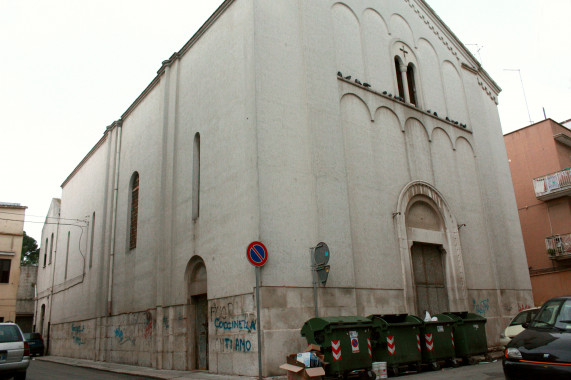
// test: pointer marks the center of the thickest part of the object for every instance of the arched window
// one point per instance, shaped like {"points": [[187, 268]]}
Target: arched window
{"points": [[51, 248], [91, 241], [134, 211], [406, 72], [399, 77], [67, 254], [411, 83], [196, 177], [45, 252]]}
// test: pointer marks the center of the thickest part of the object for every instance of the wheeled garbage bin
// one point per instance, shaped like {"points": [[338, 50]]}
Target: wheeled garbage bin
{"points": [[345, 343], [469, 335], [396, 340], [437, 341]]}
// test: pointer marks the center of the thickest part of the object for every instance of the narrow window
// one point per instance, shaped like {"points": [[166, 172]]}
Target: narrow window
{"points": [[196, 177], [92, 238], [67, 254], [399, 78], [5, 270], [134, 211], [45, 252], [411, 83], [51, 248]]}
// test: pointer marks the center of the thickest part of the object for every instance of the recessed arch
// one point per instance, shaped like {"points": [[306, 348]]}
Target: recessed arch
{"points": [[438, 130], [401, 29], [197, 322], [447, 238], [196, 277], [349, 96]]}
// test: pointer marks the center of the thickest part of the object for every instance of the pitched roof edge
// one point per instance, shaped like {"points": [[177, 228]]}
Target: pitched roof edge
{"points": [[476, 65], [207, 24]]}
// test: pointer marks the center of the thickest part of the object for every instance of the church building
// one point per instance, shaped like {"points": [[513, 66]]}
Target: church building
{"points": [[364, 124]]}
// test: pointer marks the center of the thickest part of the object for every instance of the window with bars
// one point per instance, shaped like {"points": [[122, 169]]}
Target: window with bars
{"points": [[5, 265], [134, 211]]}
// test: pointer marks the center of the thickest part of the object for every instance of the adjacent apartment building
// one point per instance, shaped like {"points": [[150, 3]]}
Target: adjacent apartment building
{"points": [[540, 163], [11, 235], [366, 125]]}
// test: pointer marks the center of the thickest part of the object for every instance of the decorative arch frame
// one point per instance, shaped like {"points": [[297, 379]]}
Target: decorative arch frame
{"points": [[419, 191]]}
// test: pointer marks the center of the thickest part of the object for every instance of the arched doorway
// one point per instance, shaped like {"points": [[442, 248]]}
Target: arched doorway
{"points": [[431, 254], [42, 317], [423, 223], [198, 314]]}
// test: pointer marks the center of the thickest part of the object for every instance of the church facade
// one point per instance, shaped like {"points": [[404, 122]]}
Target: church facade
{"points": [[366, 125]]}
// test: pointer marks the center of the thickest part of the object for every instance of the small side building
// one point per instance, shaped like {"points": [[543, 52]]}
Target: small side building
{"points": [[540, 163], [11, 236], [25, 299]]}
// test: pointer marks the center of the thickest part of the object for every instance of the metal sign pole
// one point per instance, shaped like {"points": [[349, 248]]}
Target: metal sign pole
{"points": [[258, 327], [314, 276]]}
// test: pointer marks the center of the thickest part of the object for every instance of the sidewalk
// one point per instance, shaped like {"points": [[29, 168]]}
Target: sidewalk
{"points": [[142, 371], [169, 374]]}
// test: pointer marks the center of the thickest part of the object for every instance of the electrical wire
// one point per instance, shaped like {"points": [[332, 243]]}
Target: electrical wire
{"points": [[61, 224], [38, 216]]}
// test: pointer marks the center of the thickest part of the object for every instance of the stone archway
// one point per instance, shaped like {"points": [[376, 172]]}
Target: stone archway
{"points": [[425, 224], [197, 301]]}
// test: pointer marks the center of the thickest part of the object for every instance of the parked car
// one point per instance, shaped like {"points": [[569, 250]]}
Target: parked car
{"points": [[516, 325], [543, 349], [14, 352], [36, 343]]}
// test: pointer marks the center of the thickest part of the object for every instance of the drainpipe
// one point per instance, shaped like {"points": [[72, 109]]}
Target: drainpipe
{"points": [[51, 297], [118, 125]]}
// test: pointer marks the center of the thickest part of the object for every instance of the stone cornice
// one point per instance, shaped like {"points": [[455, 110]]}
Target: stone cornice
{"points": [[455, 46]]}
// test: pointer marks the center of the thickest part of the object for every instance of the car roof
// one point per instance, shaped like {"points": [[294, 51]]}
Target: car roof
{"points": [[530, 309], [560, 298]]}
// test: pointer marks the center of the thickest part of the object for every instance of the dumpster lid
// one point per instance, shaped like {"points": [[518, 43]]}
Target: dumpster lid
{"points": [[321, 323], [441, 319], [395, 319], [465, 316]]}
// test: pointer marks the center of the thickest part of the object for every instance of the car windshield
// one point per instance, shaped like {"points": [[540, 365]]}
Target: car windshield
{"points": [[523, 317], [555, 313], [9, 333]]}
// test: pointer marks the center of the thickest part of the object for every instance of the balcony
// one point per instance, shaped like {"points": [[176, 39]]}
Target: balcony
{"points": [[553, 186], [559, 246]]}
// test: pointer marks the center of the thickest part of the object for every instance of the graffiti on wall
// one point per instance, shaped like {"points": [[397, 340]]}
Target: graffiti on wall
{"points": [[148, 332], [76, 332], [234, 345], [234, 330], [120, 336], [235, 324], [522, 307], [222, 311], [166, 323], [481, 307]]}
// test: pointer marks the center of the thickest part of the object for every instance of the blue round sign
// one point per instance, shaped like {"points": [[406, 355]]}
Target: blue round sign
{"points": [[257, 254]]}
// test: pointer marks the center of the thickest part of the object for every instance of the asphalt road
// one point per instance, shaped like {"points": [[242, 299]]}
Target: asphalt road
{"points": [[481, 371], [40, 370]]}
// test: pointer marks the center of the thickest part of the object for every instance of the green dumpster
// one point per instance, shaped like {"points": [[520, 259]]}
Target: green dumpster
{"points": [[345, 343], [437, 340], [396, 340], [469, 334]]}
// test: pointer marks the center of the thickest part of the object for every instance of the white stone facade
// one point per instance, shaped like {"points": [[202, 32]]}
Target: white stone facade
{"points": [[290, 154]]}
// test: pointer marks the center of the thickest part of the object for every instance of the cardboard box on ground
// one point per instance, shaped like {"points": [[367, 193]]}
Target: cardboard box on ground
{"points": [[297, 370]]}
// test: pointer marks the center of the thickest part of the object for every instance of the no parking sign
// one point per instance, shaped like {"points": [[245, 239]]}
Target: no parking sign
{"points": [[257, 254]]}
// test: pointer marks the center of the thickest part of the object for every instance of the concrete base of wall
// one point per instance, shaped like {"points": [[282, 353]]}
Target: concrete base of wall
{"points": [[163, 338]]}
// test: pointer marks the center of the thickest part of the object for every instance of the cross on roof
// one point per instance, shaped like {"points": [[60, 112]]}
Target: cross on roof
{"points": [[404, 52]]}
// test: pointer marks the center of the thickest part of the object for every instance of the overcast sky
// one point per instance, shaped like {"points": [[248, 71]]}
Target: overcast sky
{"points": [[70, 68]]}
